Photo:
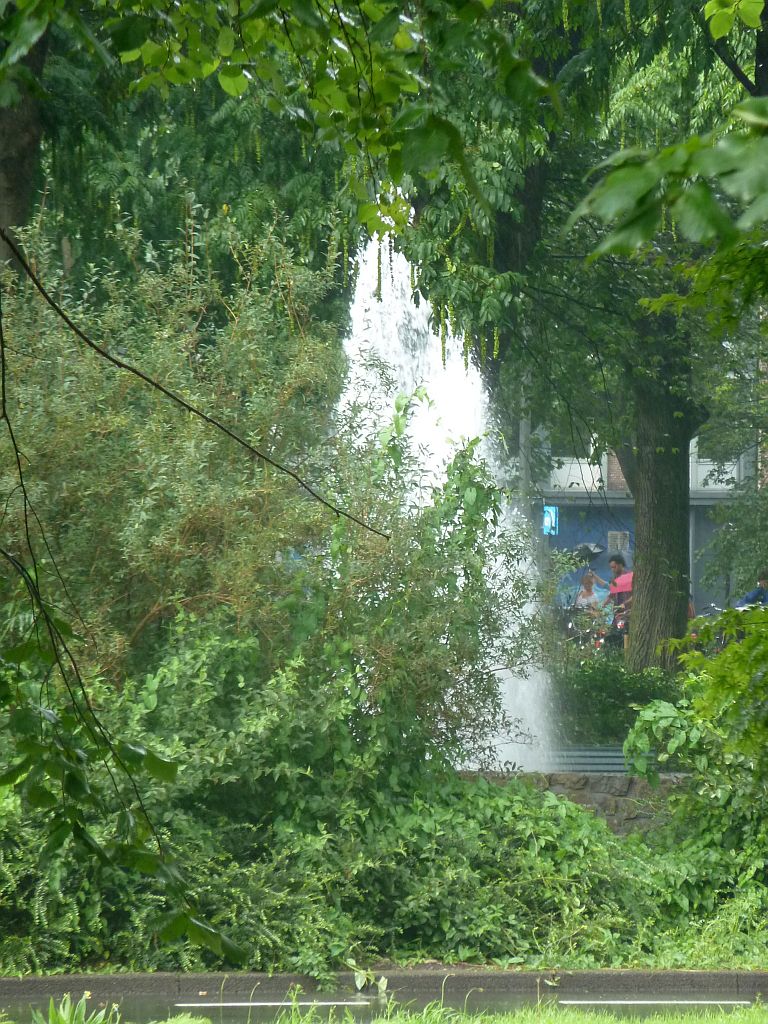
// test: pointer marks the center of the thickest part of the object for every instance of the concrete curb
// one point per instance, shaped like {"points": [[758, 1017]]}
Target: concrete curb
{"points": [[450, 984]]}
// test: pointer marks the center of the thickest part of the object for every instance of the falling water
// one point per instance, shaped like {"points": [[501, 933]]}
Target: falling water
{"points": [[395, 331]]}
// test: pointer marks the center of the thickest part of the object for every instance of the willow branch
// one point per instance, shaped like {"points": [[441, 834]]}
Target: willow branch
{"points": [[177, 399]]}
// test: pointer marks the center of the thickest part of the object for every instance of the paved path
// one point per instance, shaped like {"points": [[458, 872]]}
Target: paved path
{"points": [[434, 982]]}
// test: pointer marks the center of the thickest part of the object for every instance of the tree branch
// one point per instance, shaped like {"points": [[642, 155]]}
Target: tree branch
{"points": [[721, 49]]}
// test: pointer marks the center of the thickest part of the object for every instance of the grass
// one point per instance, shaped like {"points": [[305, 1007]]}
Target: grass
{"points": [[548, 1013]]}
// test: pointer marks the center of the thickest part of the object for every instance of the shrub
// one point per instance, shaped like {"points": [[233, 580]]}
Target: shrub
{"points": [[597, 697]]}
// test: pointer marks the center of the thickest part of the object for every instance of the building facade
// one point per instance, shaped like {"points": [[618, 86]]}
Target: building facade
{"points": [[590, 503]]}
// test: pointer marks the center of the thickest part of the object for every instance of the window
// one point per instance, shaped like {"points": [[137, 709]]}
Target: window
{"points": [[618, 540]]}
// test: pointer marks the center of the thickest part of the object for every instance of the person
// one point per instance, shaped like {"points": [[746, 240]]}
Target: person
{"points": [[586, 599], [620, 587], [620, 595], [759, 595]]}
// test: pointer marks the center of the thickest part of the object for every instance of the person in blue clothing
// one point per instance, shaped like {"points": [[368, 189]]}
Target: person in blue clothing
{"points": [[759, 595]]}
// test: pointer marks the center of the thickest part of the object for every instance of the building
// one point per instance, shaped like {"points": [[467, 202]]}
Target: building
{"points": [[590, 503]]}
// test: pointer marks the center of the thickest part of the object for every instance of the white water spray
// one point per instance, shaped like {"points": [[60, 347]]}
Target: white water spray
{"points": [[397, 332]]}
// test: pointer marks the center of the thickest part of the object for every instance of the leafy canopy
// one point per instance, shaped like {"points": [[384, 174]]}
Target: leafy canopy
{"points": [[356, 75]]}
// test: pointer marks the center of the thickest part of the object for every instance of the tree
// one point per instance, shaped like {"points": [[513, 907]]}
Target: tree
{"points": [[486, 218], [353, 75], [494, 274], [21, 129], [189, 524]]}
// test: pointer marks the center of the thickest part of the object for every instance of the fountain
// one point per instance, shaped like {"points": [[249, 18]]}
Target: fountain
{"points": [[392, 328]]}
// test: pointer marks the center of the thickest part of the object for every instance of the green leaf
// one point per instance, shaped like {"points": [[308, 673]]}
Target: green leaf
{"points": [[395, 165], [140, 859], [305, 12], [39, 796], [132, 753], [720, 24], [225, 44], [130, 32], [522, 84], [63, 627], [12, 775], [29, 651], [83, 836], [161, 768], [176, 925], [756, 213], [76, 785], [204, 935], [373, 11], [403, 40], [754, 111], [621, 189], [713, 6], [23, 30], [750, 12], [56, 839], [235, 953], [699, 215], [635, 231], [386, 27], [232, 80], [259, 9], [410, 115], [424, 148], [154, 54]]}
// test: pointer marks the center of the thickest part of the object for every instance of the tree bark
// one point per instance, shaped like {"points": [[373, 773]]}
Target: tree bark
{"points": [[761, 56], [21, 132], [656, 467], [661, 491]]}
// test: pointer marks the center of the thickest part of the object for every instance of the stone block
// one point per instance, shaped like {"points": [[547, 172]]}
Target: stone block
{"points": [[617, 785], [569, 780], [605, 804], [582, 797]]}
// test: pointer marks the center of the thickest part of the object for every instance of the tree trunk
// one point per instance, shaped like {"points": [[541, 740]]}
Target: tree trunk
{"points": [[21, 131], [656, 467], [660, 485]]}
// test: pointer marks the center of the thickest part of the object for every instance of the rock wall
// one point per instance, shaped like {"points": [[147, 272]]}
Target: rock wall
{"points": [[626, 803]]}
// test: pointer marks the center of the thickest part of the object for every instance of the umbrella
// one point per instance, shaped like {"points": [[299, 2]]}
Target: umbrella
{"points": [[585, 551]]}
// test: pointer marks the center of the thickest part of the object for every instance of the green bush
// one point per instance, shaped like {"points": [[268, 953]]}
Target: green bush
{"points": [[717, 735], [597, 697]]}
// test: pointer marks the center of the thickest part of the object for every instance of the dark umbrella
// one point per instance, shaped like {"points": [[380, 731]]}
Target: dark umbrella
{"points": [[586, 552]]}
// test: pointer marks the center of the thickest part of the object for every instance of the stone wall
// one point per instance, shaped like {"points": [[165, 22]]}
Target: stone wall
{"points": [[627, 803]]}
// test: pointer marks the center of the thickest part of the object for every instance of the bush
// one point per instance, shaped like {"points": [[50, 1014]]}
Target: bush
{"points": [[597, 698], [718, 736]]}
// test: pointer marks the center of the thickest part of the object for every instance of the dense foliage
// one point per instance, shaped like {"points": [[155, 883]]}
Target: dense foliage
{"points": [[292, 664], [717, 737], [597, 696], [245, 709]]}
